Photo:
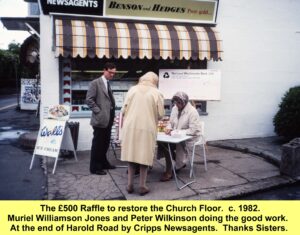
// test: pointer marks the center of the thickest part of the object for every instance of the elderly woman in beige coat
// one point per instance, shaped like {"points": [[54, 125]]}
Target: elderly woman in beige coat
{"points": [[143, 107], [184, 119]]}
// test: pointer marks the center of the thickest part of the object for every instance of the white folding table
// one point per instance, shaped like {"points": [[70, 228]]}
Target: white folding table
{"points": [[162, 137]]}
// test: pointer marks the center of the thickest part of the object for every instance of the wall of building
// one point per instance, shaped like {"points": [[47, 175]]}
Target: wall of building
{"points": [[50, 84], [48, 65], [261, 41]]}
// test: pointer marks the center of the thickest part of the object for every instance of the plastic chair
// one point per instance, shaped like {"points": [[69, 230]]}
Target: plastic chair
{"points": [[202, 143]]}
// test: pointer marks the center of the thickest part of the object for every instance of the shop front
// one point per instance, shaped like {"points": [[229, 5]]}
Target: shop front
{"points": [[78, 37], [81, 44]]}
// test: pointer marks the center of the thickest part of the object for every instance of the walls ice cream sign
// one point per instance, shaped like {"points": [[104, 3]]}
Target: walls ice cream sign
{"points": [[50, 138]]}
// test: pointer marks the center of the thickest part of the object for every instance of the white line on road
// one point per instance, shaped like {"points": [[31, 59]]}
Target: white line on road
{"points": [[8, 106]]}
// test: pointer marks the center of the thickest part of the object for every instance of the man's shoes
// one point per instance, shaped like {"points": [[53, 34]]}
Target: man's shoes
{"points": [[99, 172], [179, 169], [166, 177], [109, 167]]}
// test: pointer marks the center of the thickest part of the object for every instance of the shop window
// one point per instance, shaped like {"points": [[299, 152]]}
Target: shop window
{"points": [[76, 76], [200, 106], [77, 73]]}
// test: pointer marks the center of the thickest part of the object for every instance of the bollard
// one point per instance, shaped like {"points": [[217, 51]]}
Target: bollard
{"points": [[290, 158]]}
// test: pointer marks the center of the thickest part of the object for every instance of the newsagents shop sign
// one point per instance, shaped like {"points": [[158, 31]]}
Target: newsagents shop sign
{"points": [[84, 7], [197, 11]]}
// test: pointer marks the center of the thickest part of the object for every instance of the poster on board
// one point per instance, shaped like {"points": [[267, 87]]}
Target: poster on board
{"points": [[29, 95], [199, 84]]}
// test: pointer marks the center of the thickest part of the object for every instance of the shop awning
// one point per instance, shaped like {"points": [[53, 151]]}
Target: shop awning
{"points": [[95, 38]]}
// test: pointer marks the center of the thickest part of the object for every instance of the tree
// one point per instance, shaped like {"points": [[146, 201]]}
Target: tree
{"points": [[11, 68], [9, 65], [287, 119], [14, 48]]}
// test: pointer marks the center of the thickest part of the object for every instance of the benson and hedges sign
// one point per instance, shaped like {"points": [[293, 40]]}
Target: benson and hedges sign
{"points": [[167, 10], [197, 11]]}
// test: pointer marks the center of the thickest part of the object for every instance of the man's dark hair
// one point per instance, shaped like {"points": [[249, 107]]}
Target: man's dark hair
{"points": [[109, 65]]}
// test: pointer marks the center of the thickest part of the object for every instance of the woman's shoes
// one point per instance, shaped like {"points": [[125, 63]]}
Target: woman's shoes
{"points": [[144, 191], [166, 177], [179, 169], [130, 189]]}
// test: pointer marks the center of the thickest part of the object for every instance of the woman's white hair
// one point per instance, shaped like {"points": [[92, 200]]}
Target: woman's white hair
{"points": [[149, 77]]}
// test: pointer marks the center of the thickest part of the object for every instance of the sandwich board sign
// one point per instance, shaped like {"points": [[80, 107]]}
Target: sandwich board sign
{"points": [[30, 92], [54, 135]]}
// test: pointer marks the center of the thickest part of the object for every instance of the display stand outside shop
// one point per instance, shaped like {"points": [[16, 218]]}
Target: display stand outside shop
{"points": [[54, 134]]}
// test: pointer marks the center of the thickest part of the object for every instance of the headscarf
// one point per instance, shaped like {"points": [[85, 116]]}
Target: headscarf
{"points": [[181, 97], [149, 78]]}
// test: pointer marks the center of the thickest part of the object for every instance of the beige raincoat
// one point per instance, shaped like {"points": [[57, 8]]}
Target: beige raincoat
{"points": [[143, 107]]}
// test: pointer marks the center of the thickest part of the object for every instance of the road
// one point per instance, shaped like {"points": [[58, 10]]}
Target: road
{"points": [[7, 101], [290, 192], [16, 180]]}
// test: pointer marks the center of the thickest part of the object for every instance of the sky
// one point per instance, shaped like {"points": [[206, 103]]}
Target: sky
{"points": [[12, 8]]}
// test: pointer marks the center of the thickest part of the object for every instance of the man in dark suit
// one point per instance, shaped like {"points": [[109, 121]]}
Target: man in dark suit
{"points": [[100, 99]]}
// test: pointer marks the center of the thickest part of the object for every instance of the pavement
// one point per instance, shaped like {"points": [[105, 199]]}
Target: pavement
{"points": [[268, 147], [235, 168]]}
